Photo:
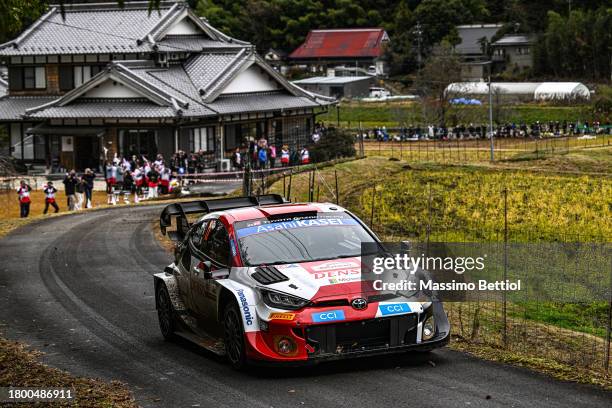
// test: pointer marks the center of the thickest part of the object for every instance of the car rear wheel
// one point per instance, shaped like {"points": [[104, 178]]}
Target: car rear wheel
{"points": [[233, 336], [165, 313]]}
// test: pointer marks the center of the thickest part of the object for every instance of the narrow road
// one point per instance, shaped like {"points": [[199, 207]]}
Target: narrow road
{"points": [[79, 288]]}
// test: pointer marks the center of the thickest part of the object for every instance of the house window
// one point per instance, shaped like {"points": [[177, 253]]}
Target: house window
{"points": [[76, 75], [202, 139], [138, 142], [24, 146], [21, 78]]}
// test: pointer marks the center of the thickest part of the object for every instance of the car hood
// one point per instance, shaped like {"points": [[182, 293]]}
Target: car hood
{"points": [[317, 280]]}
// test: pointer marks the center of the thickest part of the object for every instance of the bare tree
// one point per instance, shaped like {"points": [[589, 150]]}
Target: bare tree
{"points": [[441, 69]]}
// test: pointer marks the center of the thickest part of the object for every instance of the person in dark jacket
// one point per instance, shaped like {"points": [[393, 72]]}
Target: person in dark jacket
{"points": [[153, 177], [128, 186], [88, 178], [70, 183]]}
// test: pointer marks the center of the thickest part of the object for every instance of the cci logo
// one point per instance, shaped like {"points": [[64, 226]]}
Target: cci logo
{"points": [[394, 308], [329, 316]]}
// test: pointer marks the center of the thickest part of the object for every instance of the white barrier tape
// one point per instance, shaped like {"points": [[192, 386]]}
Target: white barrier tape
{"points": [[228, 173]]}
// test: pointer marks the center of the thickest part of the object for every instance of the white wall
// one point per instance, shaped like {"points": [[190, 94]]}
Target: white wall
{"points": [[251, 80], [184, 27], [112, 89]]}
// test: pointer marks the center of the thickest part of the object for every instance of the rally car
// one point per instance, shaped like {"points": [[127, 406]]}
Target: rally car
{"points": [[259, 279]]}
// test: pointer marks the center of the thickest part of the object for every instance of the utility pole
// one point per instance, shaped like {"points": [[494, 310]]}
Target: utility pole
{"points": [[491, 113]]}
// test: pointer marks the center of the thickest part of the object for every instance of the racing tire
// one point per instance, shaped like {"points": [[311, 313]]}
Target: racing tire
{"points": [[233, 336], [165, 313]]}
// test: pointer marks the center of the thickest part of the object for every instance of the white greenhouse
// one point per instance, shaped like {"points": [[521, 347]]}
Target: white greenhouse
{"points": [[538, 91]]}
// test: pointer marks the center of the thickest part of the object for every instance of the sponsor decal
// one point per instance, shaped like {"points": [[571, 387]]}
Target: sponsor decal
{"points": [[282, 316], [326, 266], [328, 316], [248, 317], [393, 308], [287, 225], [346, 275]]}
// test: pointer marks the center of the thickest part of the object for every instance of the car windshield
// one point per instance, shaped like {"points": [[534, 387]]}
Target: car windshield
{"points": [[300, 239]]}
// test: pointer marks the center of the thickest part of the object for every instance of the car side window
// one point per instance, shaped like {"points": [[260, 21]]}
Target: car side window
{"points": [[198, 234], [217, 243], [186, 257]]}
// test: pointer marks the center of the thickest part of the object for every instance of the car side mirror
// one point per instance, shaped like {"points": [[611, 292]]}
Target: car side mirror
{"points": [[204, 267]]}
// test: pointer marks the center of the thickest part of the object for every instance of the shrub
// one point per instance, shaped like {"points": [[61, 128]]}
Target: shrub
{"points": [[334, 143]]}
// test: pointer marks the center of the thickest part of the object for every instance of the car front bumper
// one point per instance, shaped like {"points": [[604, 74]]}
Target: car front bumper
{"points": [[351, 339]]}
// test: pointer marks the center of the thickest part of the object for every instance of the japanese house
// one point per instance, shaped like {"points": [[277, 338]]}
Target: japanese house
{"points": [[101, 80]]}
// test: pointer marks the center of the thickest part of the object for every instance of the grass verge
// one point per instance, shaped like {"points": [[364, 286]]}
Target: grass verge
{"points": [[21, 367]]}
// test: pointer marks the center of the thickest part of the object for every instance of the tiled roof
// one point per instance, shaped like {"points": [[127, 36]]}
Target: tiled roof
{"points": [[104, 108], [88, 31], [173, 92], [514, 40], [107, 28], [203, 69], [227, 104], [173, 79], [342, 43], [182, 43], [12, 107], [472, 34]]}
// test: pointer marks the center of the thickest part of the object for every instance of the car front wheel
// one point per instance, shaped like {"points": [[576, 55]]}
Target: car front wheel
{"points": [[233, 336], [165, 313]]}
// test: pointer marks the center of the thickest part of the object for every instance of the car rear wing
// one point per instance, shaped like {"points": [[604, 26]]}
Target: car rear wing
{"points": [[181, 210]]}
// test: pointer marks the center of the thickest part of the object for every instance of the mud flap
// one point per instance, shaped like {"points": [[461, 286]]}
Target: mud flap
{"points": [[171, 284]]}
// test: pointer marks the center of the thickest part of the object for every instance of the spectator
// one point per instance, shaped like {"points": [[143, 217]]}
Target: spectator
{"points": [[24, 198], [285, 156], [70, 183], [165, 175], [192, 164], [304, 156], [262, 156], [111, 180], [79, 193], [128, 186], [237, 159], [50, 191], [88, 178], [153, 177], [272, 151], [138, 177], [117, 188]]}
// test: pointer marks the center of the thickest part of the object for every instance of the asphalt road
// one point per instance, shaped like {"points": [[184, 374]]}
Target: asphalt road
{"points": [[79, 288]]}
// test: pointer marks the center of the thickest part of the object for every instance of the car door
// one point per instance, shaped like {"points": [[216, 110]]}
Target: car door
{"points": [[184, 261], [212, 264]]}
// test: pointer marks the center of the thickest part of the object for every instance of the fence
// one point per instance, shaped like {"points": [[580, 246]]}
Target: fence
{"points": [[458, 151], [563, 315]]}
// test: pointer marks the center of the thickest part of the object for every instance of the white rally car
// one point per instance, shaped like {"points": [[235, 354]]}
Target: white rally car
{"points": [[259, 279]]}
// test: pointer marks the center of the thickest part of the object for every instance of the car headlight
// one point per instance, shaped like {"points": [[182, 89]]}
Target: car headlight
{"points": [[429, 328], [282, 301]]}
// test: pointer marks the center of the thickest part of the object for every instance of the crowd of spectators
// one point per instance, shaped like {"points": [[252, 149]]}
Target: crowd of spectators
{"points": [[481, 131]]}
